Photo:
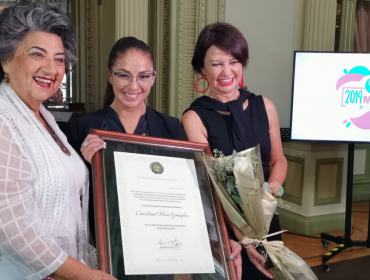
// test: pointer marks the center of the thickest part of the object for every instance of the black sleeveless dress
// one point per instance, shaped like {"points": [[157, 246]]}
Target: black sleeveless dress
{"points": [[238, 129]]}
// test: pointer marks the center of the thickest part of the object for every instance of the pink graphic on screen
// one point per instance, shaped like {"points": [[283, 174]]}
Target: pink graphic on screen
{"points": [[356, 94]]}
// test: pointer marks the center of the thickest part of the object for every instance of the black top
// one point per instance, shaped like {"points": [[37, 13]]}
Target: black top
{"points": [[152, 123], [237, 130]]}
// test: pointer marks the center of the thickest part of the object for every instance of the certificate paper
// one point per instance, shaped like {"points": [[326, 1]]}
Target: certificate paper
{"points": [[161, 215]]}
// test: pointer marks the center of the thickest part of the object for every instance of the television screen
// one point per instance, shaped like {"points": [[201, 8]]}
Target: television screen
{"points": [[331, 97]]}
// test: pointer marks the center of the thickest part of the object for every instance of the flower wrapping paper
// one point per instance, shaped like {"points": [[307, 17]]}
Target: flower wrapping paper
{"points": [[258, 207]]}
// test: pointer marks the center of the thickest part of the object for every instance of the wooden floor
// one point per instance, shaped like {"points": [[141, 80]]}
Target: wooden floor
{"points": [[311, 250]]}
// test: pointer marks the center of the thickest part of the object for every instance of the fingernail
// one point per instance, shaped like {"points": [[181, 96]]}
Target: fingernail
{"points": [[103, 146], [231, 257]]}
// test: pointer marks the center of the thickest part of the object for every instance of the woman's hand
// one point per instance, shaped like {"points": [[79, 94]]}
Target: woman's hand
{"points": [[100, 275], [91, 145], [274, 188], [72, 269], [236, 257], [91, 274], [258, 260]]}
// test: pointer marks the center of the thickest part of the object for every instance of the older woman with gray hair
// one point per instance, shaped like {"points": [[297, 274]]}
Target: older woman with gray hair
{"points": [[43, 181]]}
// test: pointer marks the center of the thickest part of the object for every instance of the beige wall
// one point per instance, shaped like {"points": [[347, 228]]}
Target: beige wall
{"points": [[273, 29]]}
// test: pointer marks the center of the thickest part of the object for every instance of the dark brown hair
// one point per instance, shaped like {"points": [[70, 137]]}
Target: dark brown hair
{"points": [[120, 48], [224, 36]]}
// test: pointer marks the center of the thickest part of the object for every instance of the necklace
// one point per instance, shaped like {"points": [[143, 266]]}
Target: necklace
{"points": [[55, 137]]}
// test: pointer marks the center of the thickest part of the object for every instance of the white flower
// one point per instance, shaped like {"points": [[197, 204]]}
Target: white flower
{"points": [[244, 165]]}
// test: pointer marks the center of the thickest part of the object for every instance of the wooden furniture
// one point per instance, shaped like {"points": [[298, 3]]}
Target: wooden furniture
{"points": [[78, 109]]}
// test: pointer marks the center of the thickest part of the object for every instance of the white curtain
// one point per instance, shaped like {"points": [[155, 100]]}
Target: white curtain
{"points": [[362, 27]]}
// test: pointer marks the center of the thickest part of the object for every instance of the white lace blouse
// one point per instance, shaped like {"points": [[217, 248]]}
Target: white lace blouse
{"points": [[43, 194]]}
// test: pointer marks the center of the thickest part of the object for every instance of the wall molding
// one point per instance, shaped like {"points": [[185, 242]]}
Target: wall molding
{"points": [[159, 42], [361, 182], [311, 225], [92, 38], [186, 40], [338, 181], [363, 178], [80, 83], [221, 10], [186, 19], [201, 15], [290, 197]]}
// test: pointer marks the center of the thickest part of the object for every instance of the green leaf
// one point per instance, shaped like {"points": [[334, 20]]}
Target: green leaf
{"points": [[230, 186], [243, 215], [237, 199]]}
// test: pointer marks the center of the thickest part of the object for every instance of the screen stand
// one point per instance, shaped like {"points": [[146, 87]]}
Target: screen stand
{"points": [[345, 242]]}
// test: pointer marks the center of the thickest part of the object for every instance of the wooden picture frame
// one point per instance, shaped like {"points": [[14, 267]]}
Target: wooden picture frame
{"points": [[102, 174]]}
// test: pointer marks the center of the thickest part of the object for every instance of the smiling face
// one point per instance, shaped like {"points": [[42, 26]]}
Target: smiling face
{"points": [[137, 64], [37, 68], [222, 70]]}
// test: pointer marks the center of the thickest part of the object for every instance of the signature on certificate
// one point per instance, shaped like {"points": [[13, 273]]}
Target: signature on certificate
{"points": [[172, 244]]}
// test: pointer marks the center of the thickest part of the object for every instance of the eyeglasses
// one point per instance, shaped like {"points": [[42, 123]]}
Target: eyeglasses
{"points": [[125, 79]]}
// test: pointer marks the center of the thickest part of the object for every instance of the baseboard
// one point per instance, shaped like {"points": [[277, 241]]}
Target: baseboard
{"points": [[361, 192], [311, 225]]}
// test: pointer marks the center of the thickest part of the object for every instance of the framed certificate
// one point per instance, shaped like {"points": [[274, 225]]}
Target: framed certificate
{"points": [[156, 214]]}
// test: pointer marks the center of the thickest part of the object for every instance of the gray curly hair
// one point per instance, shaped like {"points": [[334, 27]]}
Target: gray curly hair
{"points": [[17, 21]]}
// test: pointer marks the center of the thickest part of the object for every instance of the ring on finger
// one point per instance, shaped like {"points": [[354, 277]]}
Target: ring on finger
{"points": [[85, 144], [231, 257]]}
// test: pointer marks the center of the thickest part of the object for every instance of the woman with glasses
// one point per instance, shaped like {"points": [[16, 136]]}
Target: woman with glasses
{"points": [[131, 74]]}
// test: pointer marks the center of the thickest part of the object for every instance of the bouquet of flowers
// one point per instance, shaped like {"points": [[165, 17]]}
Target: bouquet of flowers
{"points": [[238, 180]]}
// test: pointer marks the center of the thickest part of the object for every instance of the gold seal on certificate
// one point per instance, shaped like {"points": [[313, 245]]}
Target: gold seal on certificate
{"points": [[156, 167], [161, 213]]}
